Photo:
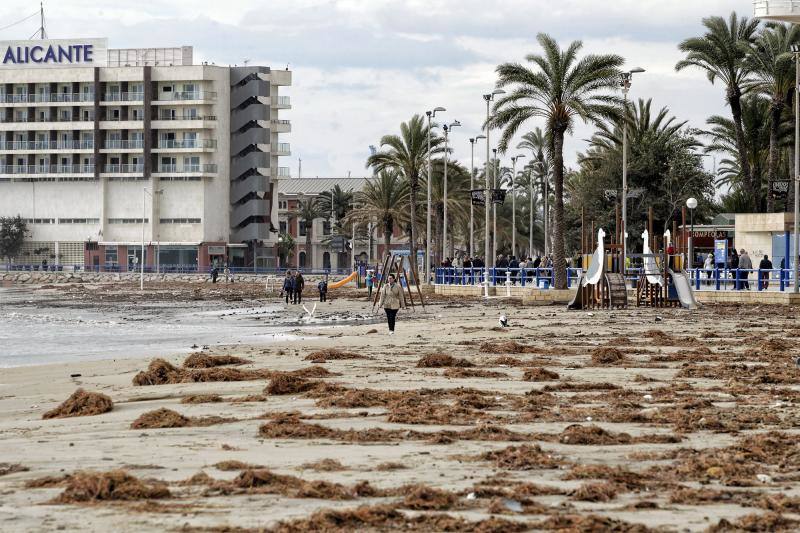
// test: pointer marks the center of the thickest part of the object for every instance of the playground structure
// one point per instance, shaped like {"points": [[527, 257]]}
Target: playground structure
{"points": [[602, 286], [393, 264], [665, 282]]}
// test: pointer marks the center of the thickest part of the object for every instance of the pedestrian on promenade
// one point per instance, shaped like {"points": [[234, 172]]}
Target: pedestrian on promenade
{"points": [[227, 273], [370, 281], [708, 266], [288, 287], [214, 274], [299, 285], [765, 266], [322, 287], [745, 264], [392, 300]]}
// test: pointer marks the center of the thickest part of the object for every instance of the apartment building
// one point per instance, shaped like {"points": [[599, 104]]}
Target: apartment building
{"points": [[101, 149], [327, 250]]}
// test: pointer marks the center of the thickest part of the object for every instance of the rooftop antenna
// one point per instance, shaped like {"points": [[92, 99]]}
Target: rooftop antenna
{"points": [[299, 167], [246, 61], [41, 31]]}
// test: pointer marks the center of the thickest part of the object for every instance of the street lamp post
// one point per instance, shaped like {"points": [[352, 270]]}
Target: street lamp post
{"points": [[494, 206], [447, 130], [530, 213], [514, 205], [488, 97], [691, 203], [796, 52], [471, 187], [428, 241], [626, 85], [145, 192]]}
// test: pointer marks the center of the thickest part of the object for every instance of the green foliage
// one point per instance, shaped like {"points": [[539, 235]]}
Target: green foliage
{"points": [[13, 231]]}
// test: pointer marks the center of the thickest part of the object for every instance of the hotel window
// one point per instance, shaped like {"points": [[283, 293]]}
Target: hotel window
{"points": [[64, 115], [21, 116], [326, 227], [166, 89], [191, 113], [115, 113], [137, 113], [87, 114], [43, 115], [191, 164], [301, 227], [282, 225]]}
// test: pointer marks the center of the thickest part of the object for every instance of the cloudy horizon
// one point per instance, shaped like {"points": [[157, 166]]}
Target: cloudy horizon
{"points": [[361, 67]]}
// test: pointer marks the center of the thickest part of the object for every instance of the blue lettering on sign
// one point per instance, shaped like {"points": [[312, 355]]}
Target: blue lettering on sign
{"points": [[59, 54]]}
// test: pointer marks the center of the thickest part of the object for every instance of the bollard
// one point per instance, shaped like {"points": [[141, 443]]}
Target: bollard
{"points": [[782, 280], [697, 279], [759, 286], [716, 276], [508, 283]]}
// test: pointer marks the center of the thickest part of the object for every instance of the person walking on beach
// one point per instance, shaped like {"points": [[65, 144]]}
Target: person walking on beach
{"points": [[322, 287], [745, 264], [765, 266], [299, 284], [370, 280], [392, 301], [288, 287]]}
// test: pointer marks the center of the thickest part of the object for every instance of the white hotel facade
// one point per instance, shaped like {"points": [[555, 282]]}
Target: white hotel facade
{"points": [[95, 146]]}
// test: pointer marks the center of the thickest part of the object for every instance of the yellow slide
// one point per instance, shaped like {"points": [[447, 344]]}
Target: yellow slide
{"points": [[343, 282]]}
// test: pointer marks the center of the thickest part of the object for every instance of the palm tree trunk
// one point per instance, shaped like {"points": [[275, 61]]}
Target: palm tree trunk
{"points": [[776, 111], [412, 246], [734, 99], [559, 260], [387, 240], [309, 255]]}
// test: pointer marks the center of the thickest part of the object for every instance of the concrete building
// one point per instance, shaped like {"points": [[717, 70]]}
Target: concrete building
{"points": [[103, 148], [327, 251]]}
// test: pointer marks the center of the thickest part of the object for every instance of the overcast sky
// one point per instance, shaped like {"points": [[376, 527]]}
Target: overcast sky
{"points": [[360, 67]]}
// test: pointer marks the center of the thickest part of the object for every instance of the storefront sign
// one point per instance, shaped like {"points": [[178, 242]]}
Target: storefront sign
{"points": [[216, 250], [54, 53], [710, 234]]}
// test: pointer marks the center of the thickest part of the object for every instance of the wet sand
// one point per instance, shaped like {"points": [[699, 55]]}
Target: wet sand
{"points": [[683, 419]]}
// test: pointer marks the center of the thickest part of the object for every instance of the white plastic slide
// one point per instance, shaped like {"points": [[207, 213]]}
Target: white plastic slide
{"points": [[684, 290], [595, 270], [651, 269]]}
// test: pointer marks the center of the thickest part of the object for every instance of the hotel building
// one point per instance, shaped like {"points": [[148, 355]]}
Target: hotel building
{"points": [[99, 145]]}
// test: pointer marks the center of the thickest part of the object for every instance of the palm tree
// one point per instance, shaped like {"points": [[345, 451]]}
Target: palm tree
{"points": [[407, 154], [721, 53], [307, 211], [771, 59], [385, 199], [337, 202], [560, 88], [756, 131]]}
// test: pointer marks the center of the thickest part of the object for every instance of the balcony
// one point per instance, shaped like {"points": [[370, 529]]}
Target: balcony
{"points": [[282, 149], [187, 144], [46, 98], [281, 125], [205, 168], [124, 97], [123, 144], [283, 172], [182, 96], [170, 116], [136, 168], [47, 145], [46, 169], [778, 10], [281, 102]]}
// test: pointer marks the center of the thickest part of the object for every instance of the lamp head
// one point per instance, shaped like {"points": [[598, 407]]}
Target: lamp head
{"points": [[498, 91], [439, 109], [637, 70], [479, 137], [691, 203], [454, 124]]}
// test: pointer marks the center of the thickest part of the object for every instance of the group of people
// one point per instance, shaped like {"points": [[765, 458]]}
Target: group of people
{"points": [[740, 265], [293, 285]]}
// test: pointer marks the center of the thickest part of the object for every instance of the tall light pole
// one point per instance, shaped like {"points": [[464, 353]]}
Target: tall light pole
{"points": [[428, 242], [447, 130], [514, 204], [472, 142], [530, 212], [691, 203], [145, 192], [796, 52], [494, 205], [626, 85], [488, 97]]}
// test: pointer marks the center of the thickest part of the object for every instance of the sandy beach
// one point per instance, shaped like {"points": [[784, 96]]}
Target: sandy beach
{"points": [[633, 420]]}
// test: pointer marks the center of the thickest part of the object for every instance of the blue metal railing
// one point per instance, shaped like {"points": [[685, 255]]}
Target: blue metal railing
{"points": [[166, 269], [701, 279]]}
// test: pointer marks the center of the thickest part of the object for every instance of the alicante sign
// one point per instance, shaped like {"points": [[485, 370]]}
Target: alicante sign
{"points": [[54, 53]]}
